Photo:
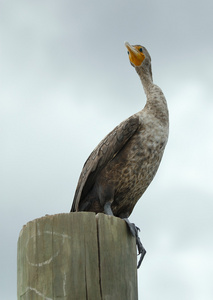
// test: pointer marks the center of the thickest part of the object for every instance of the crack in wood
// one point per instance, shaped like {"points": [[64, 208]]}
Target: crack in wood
{"points": [[99, 256]]}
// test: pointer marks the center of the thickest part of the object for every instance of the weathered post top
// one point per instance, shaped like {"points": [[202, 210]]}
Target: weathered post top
{"points": [[77, 256]]}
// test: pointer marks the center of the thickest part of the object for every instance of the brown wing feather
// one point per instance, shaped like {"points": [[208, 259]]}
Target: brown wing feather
{"points": [[101, 155]]}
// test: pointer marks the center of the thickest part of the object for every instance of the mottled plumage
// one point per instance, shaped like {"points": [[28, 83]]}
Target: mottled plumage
{"points": [[122, 166]]}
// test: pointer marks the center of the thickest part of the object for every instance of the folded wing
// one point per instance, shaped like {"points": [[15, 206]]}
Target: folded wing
{"points": [[106, 150]]}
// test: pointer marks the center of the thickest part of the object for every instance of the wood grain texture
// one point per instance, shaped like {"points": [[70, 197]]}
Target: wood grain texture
{"points": [[118, 263], [76, 256]]}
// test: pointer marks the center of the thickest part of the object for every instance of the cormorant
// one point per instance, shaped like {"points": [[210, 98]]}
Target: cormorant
{"points": [[121, 167]]}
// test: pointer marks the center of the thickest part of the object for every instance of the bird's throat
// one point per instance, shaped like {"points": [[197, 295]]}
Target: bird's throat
{"points": [[146, 79]]}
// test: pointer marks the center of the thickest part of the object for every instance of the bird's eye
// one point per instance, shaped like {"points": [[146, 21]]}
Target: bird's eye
{"points": [[140, 49], [128, 52]]}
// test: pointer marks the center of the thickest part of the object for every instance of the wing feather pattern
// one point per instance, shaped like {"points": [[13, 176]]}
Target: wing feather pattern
{"points": [[106, 150]]}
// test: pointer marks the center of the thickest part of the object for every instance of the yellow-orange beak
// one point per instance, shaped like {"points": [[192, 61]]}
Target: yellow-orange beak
{"points": [[135, 56]]}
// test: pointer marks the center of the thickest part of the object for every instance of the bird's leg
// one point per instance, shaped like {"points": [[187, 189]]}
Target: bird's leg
{"points": [[134, 231], [107, 208]]}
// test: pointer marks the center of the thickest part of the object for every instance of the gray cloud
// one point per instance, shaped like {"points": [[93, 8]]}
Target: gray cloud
{"points": [[64, 69]]}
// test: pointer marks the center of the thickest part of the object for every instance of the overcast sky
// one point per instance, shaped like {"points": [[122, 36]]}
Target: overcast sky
{"points": [[66, 81]]}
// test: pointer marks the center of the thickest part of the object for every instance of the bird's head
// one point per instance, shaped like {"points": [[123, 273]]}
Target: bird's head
{"points": [[138, 55]]}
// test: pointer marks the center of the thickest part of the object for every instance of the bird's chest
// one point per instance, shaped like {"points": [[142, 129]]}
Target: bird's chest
{"points": [[145, 150], [137, 163]]}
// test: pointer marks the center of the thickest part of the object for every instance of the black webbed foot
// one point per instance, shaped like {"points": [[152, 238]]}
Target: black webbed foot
{"points": [[134, 231], [141, 249]]}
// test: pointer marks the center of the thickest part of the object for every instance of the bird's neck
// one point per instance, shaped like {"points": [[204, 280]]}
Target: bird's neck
{"points": [[156, 102], [146, 79]]}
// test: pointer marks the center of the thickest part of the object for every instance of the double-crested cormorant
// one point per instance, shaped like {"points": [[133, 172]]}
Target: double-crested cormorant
{"points": [[122, 166]]}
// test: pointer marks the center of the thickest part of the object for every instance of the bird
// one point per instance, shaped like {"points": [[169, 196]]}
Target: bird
{"points": [[122, 166]]}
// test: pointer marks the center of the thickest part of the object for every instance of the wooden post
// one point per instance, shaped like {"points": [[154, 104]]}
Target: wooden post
{"points": [[77, 256]]}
